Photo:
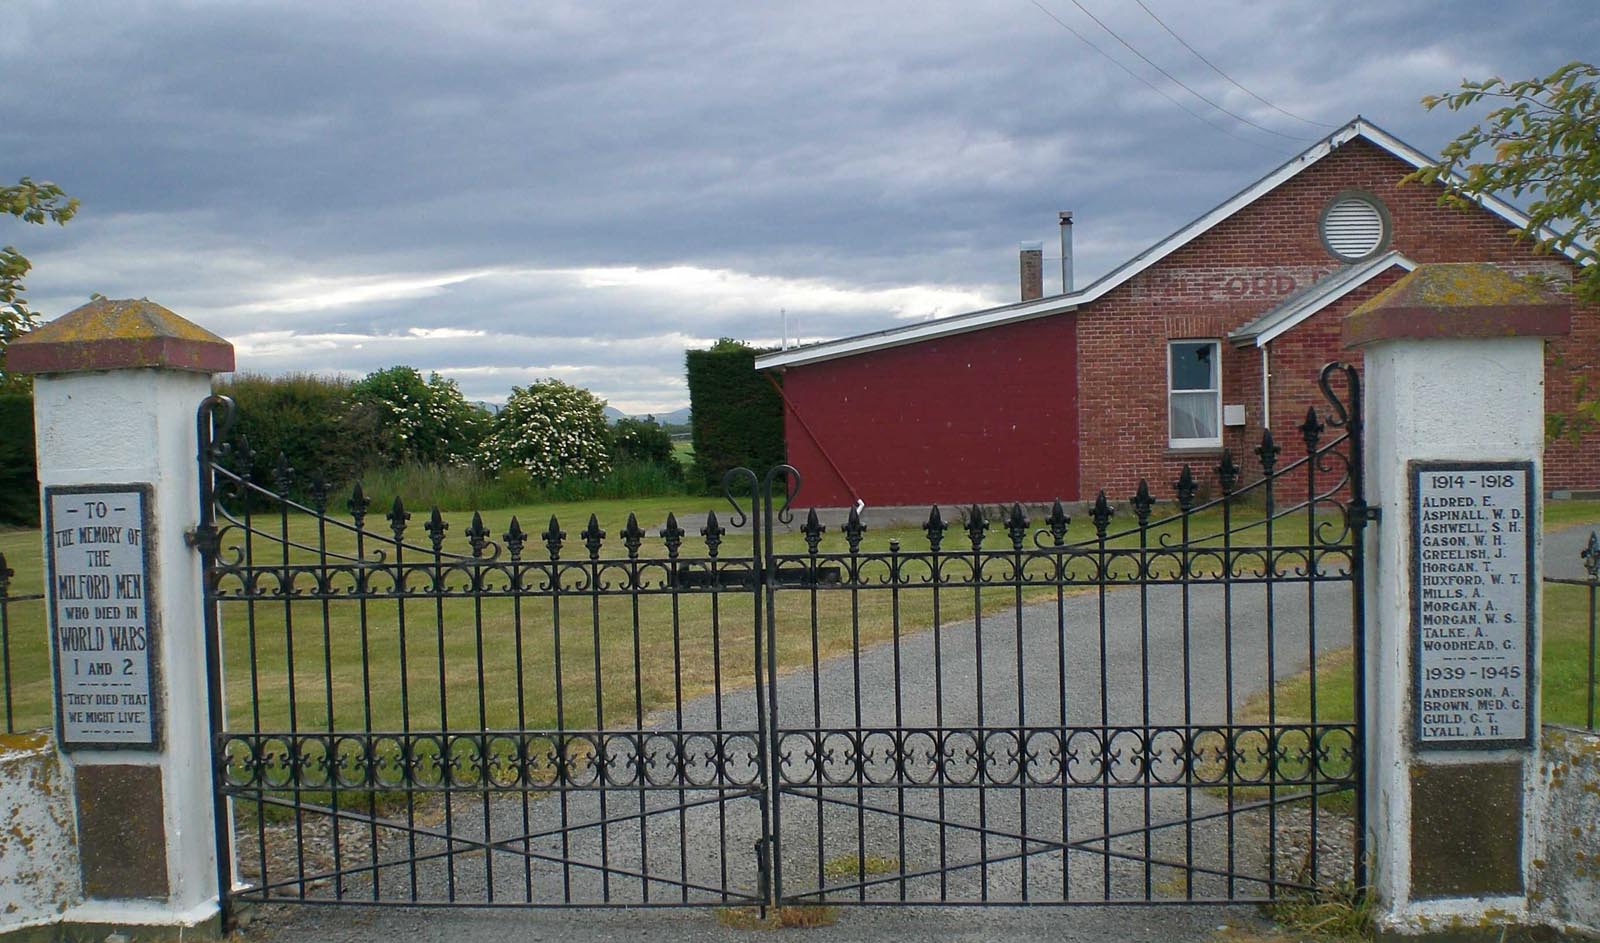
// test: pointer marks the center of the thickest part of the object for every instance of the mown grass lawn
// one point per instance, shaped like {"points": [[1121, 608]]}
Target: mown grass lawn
{"points": [[1565, 670], [491, 662]]}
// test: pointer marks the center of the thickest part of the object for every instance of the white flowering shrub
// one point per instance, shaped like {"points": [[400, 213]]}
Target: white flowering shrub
{"points": [[553, 430], [424, 421]]}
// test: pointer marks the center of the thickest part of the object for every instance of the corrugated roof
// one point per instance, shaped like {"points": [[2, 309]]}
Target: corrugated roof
{"points": [[1058, 304]]}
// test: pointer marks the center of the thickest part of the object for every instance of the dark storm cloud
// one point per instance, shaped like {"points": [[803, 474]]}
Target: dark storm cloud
{"points": [[582, 190]]}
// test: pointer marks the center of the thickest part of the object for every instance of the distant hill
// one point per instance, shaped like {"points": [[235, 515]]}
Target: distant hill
{"points": [[677, 417]]}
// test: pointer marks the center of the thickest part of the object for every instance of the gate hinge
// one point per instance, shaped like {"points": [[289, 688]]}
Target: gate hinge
{"points": [[203, 538], [1361, 511]]}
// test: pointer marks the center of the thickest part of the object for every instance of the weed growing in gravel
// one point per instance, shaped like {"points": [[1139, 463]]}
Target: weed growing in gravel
{"points": [[777, 918]]}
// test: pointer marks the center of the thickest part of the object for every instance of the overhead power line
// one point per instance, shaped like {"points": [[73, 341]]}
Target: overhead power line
{"points": [[1179, 82], [1152, 86], [1215, 68]]}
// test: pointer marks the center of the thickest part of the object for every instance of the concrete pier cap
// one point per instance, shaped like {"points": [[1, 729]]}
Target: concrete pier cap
{"points": [[126, 334], [1458, 299]]}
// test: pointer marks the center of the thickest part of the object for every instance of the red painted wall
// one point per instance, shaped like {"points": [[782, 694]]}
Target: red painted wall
{"points": [[989, 416]]}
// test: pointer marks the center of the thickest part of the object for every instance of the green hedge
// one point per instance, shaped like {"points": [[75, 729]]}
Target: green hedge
{"points": [[312, 421], [737, 415], [19, 467]]}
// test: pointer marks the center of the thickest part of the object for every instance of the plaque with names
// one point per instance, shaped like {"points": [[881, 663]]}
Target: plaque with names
{"points": [[1473, 604], [98, 580]]}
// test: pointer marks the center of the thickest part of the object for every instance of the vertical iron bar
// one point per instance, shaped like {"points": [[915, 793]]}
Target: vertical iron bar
{"points": [[631, 535], [673, 535], [767, 724], [1354, 428], [899, 713], [358, 511], [1061, 574], [713, 534], [859, 735], [1314, 774], [975, 528], [206, 530], [1018, 533], [5, 638], [436, 530], [1592, 663], [476, 536], [592, 538], [1188, 706], [553, 536], [816, 700], [514, 542], [5, 632], [251, 587], [281, 483], [324, 584], [1225, 476], [1146, 773], [936, 528], [1102, 520], [1268, 453], [397, 526]]}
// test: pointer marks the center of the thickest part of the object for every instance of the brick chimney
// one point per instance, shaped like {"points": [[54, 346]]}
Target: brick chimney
{"points": [[1032, 263]]}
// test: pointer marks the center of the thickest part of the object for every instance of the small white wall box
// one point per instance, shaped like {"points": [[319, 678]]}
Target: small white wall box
{"points": [[1233, 415]]}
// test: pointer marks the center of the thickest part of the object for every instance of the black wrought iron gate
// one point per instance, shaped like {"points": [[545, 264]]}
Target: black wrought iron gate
{"points": [[1160, 704]]}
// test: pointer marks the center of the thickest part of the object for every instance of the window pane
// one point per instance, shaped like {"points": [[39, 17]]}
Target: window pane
{"points": [[1194, 416], [1194, 365]]}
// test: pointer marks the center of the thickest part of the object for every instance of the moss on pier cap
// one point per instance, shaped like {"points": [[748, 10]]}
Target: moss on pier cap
{"points": [[1457, 299], [123, 334]]}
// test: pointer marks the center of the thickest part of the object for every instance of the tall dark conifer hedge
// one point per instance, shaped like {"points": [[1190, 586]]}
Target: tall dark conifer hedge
{"points": [[737, 415], [19, 481]]}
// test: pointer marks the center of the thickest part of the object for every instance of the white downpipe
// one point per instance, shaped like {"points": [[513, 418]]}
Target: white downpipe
{"points": [[1266, 389]]}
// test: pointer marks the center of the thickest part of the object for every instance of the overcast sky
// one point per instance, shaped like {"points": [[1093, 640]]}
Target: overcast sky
{"points": [[504, 191]]}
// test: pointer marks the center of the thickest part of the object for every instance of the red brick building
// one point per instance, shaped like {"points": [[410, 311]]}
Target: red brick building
{"points": [[1184, 351]]}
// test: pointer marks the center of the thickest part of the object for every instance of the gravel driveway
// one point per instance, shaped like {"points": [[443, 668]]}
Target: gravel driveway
{"points": [[881, 829]]}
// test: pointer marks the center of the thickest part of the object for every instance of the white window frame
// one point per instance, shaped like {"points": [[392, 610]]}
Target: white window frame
{"points": [[1201, 443]]}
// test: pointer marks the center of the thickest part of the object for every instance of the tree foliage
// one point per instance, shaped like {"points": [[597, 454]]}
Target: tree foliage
{"points": [[1541, 141], [642, 440], [31, 202], [553, 430], [737, 414], [424, 421]]}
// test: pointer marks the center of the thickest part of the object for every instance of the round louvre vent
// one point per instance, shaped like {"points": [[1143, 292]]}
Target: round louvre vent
{"points": [[1354, 226]]}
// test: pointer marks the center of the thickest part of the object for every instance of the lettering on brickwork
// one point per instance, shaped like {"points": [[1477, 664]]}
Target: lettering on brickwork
{"points": [[1473, 604], [1272, 282]]}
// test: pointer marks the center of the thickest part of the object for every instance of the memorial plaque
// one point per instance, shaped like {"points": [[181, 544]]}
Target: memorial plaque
{"points": [[1473, 604], [100, 615]]}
